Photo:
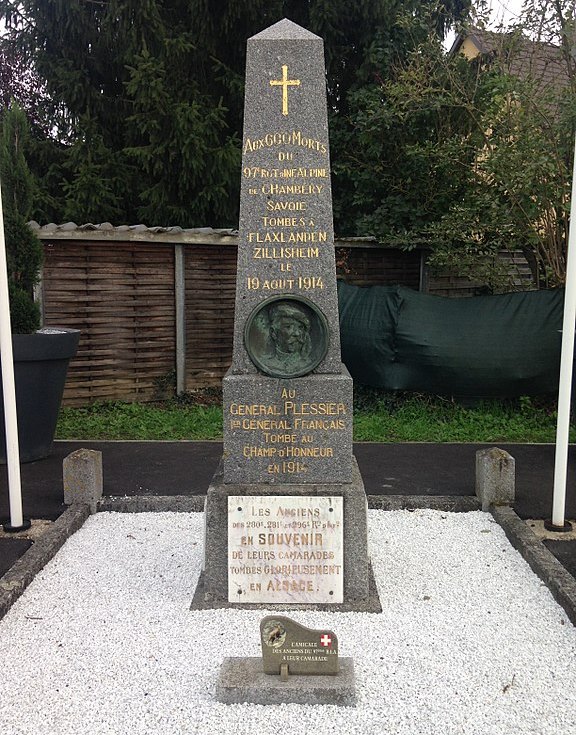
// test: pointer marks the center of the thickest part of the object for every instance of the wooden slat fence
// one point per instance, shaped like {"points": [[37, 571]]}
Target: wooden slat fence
{"points": [[121, 298], [210, 293], [119, 289]]}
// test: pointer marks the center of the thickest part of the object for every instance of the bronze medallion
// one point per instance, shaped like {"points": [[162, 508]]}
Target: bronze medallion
{"points": [[286, 336]]}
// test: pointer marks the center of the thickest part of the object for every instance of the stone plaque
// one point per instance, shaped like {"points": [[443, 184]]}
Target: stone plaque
{"points": [[285, 549], [289, 648]]}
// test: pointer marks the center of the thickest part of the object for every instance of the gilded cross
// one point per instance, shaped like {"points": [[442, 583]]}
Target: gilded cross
{"points": [[285, 83]]}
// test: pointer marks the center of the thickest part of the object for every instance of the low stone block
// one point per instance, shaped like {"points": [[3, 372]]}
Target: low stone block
{"points": [[495, 477], [82, 475], [242, 680]]}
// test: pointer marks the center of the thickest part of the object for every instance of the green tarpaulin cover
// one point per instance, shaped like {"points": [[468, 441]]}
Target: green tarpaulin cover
{"points": [[485, 346]]}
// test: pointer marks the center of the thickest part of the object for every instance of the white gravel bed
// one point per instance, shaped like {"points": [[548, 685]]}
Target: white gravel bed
{"points": [[470, 640]]}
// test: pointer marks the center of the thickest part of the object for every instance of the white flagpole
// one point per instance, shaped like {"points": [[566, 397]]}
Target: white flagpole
{"points": [[558, 522], [17, 522]]}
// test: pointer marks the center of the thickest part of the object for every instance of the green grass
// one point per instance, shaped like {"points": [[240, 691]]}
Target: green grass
{"points": [[378, 416], [170, 420], [419, 418]]}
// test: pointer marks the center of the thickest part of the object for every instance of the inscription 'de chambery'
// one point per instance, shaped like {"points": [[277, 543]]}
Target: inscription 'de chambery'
{"points": [[284, 548]]}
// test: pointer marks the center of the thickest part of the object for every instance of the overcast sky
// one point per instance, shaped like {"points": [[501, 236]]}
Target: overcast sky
{"points": [[505, 11]]}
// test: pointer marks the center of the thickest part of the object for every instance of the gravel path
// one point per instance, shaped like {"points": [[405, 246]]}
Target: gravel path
{"points": [[470, 641]]}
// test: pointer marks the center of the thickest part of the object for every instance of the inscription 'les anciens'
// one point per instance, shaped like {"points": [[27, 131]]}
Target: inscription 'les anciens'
{"points": [[281, 544]]}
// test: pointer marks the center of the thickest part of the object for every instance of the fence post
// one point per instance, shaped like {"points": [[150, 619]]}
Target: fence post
{"points": [[180, 293]]}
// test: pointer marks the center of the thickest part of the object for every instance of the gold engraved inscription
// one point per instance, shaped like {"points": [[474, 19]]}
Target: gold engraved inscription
{"points": [[291, 434], [285, 83], [288, 196], [257, 172], [294, 138]]}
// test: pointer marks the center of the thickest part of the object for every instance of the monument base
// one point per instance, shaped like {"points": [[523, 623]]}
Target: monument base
{"points": [[242, 680], [359, 590]]}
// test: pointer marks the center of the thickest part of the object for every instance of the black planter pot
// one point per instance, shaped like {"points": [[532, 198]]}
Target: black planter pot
{"points": [[40, 367]]}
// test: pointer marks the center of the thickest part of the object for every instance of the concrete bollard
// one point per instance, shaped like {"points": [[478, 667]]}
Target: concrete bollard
{"points": [[495, 477], [82, 474]]}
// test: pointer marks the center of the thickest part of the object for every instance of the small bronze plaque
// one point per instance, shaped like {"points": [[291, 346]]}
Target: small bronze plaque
{"points": [[286, 336], [288, 647]]}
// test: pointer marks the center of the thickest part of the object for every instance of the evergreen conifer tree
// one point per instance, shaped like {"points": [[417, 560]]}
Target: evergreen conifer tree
{"points": [[23, 249], [152, 92]]}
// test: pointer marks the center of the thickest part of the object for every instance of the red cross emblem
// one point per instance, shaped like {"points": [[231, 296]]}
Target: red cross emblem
{"points": [[326, 641]]}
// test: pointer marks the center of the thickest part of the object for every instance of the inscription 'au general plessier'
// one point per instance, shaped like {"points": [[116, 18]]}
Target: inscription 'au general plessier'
{"points": [[290, 407]]}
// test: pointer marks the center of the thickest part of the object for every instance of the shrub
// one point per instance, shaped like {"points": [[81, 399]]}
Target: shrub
{"points": [[23, 248]]}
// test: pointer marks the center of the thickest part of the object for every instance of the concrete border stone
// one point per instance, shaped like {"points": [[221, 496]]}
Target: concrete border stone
{"points": [[16, 579], [195, 503], [447, 503], [543, 563], [153, 504], [495, 477]]}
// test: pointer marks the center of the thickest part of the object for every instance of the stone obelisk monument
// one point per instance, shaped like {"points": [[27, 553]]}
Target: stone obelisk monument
{"points": [[286, 511]]}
